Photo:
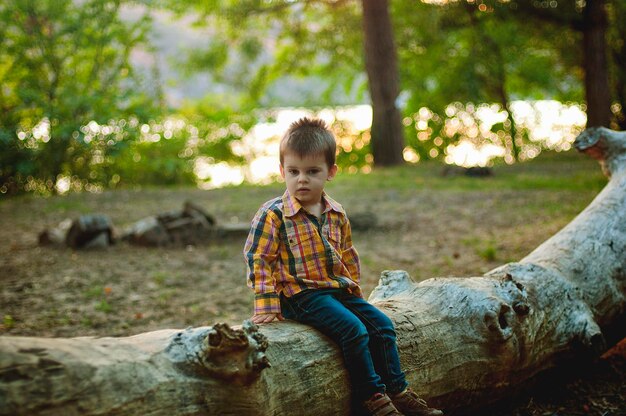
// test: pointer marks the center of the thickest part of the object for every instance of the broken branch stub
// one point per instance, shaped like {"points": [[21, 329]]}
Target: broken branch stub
{"points": [[229, 354], [606, 146]]}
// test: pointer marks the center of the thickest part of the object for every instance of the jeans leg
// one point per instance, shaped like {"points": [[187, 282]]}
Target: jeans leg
{"points": [[383, 347], [322, 310]]}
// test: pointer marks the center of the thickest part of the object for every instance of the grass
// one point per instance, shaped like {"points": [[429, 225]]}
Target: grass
{"points": [[488, 253], [160, 278], [551, 171], [94, 292], [8, 322], [68, 204], [430, 225], [566, 171], [104, 306]]}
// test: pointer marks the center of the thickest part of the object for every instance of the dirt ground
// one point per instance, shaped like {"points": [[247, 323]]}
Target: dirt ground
{"points": [[124, 290]]}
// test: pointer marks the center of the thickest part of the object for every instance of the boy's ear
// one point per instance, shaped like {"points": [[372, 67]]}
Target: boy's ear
{"points": [[332, 172], [282, 171]]}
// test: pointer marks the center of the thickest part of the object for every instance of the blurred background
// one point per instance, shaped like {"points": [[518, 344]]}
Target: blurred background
{"points": [[99, 94], [130, 108]]}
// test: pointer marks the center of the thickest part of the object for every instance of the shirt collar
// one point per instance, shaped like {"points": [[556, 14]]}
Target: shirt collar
{"points": [[291, 205]]}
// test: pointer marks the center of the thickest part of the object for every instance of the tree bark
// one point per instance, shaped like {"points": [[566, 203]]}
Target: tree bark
{"points": [[618, 54], [381, 64], [595, 64], [462, 341], [592, 23]]}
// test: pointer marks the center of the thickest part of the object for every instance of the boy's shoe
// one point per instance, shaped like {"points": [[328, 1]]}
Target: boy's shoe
{"points": [[380, 405], [410, 404]]}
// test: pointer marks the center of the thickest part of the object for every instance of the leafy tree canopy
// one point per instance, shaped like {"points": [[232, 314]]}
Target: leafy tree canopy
{"points": [[62, 63]]}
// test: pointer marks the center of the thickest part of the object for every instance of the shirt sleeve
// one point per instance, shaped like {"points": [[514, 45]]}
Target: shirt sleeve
{"points": [[350, 257], [261, 253]]}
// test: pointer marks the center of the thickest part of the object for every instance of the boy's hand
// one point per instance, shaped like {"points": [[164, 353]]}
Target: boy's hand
{"points": [[264, 318]]}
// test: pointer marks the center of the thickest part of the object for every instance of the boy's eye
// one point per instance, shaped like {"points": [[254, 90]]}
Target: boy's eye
{"points": [[314, 171]]}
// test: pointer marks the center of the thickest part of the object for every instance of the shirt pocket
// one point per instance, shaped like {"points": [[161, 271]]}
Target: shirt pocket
{"points": [[333, 235], [306, 248]]}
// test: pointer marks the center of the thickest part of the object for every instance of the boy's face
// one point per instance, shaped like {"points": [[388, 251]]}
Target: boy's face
{"points": [[306, 177]]}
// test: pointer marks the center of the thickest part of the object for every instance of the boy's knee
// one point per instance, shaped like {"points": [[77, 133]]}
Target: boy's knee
{"points": [[385, 325], [355, 334], [385, 329]]}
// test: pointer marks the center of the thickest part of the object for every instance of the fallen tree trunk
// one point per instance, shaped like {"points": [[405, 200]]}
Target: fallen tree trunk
{"points": [[462, 340]]}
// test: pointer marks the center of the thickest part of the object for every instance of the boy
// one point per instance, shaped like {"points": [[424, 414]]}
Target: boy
{"points": [[302, 266]]}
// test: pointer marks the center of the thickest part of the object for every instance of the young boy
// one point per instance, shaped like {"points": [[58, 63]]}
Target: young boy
{"points": [[302, 266]]}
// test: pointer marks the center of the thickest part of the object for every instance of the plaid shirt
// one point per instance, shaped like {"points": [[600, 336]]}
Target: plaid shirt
{"points": [[289, 250]]}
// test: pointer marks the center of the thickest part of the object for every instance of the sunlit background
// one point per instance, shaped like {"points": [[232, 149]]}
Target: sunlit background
{"points": [[553, 125], [182, 95]]}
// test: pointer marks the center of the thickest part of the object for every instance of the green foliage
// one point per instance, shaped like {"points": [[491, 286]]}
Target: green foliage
{"points": [[473, 53], [164, 151], [259, 43], [73, 112], [75, 116], [154, 155], [63, 64], [355, 151], [453, 52]]}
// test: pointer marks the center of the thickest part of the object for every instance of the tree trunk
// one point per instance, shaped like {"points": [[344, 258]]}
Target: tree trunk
{"points": [[462, 341], [618, 54], [387, 135], [595, 64]]}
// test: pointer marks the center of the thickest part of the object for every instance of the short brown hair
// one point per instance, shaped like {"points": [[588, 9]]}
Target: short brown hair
{"points": [[308, 137]]}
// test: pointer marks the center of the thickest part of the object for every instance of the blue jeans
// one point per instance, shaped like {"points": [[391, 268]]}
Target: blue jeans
{"points": [[364, 334]]}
